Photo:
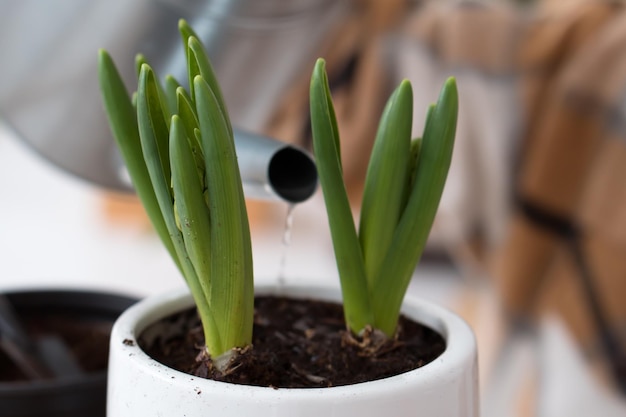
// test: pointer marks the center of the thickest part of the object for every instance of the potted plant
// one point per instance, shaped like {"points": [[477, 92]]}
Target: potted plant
{"points": [[54, 351], [198, 352]]}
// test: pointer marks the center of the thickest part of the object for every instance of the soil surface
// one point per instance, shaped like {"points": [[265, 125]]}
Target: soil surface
{"points": [[296, 344]]}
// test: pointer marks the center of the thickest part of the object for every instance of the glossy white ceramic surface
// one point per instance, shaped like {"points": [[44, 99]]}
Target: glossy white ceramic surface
{"points": [[139, 386]]}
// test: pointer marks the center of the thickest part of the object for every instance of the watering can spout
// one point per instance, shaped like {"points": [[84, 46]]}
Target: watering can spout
{"points": [[271, 169]]}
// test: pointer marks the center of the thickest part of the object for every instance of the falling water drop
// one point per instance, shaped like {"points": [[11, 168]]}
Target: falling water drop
{"points": [[286, 242]]}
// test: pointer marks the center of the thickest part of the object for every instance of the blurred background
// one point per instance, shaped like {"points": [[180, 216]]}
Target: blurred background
{"points": [[529, 244]]}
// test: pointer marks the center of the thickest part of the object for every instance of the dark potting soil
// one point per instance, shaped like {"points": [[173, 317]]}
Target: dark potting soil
{"points": [[87, 341], [297, 344]]}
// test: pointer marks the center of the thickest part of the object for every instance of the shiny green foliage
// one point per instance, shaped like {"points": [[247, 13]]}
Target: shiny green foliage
{"points": [[179, 150], [403, 187]]}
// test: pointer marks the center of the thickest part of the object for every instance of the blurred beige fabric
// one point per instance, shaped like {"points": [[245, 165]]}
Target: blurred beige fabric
{"points": [[571, 169], [541, 141]]}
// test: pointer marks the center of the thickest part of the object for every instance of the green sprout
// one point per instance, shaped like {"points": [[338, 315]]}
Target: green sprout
{"points": [[179, 150], [403, 186], [178, 147]]}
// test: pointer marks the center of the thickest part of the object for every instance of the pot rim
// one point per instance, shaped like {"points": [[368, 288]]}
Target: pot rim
{"points": [[460, 344]]}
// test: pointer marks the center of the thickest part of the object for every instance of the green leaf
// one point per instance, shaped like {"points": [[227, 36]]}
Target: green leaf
{"points": [[194, 219], [385, 184], [153, 131], [140, 59], [123, 121], [417, 219], [416, 148], [171, 85], [154, 137], [193, 213], [232, 298], [343, 232], [190, 122], [200, 64], [186, 32], [186, 111]]}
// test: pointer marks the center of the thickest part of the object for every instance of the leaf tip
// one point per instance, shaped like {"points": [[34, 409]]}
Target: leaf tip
{"points": [[405, 91], [145, 70], [198, 80], [406, 83], [319, 70], [450, 89]]}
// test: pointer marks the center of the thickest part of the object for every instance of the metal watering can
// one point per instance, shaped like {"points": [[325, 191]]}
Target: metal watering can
{"points": [[48, 78]]}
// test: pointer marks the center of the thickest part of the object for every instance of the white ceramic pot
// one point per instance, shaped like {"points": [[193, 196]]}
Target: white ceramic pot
{"points": [[140, 386]]}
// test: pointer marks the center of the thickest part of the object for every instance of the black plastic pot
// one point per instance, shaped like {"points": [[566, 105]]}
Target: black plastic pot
{"points": [[83, 395]]}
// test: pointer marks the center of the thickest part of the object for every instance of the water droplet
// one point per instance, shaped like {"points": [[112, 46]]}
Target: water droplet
{"points": [[286, 242]]}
